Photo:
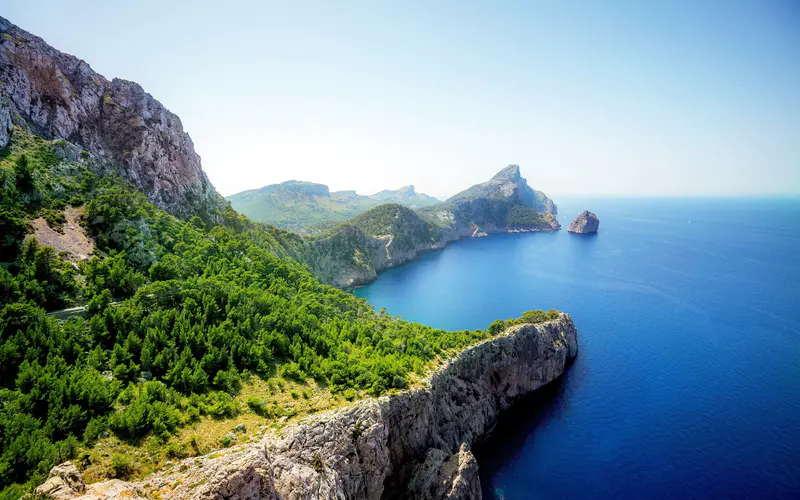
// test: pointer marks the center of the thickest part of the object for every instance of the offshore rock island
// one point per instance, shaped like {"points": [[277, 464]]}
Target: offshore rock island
{"points": [[585, 223], [144, 322]]}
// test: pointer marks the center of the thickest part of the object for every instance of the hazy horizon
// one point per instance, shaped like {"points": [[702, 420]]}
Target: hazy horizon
{"points": [[675, 99]]}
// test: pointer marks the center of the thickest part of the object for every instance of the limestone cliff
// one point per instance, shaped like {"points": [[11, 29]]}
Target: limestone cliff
{"points": [[414, 444], [124, 129]]}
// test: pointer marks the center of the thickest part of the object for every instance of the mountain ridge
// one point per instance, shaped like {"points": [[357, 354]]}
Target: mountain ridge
{"points": [[116, 124], [309, 207]]}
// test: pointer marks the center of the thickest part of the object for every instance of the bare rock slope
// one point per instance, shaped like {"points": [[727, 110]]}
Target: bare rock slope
{"points": [[58, 96], [414, 444]]}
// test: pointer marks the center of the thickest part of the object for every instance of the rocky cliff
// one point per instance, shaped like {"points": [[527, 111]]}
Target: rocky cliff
{"points": [[123, 128], [414, 444], [585, 223]]}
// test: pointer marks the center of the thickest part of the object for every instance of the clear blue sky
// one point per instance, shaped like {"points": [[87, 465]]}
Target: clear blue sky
{"points": [[623, 97]]}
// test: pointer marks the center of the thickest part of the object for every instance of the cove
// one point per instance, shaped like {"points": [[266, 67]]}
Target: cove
{"points": [[687, 383]]}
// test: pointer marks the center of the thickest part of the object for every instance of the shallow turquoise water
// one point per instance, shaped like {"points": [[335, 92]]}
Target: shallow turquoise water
{"points": [[687, 384]]}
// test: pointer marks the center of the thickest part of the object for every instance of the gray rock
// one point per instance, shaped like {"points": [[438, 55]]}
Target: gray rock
{"points": [[585, 223], [446, 476], [240, 428], [5, 123], [64, 481], [411, 445], [58, 96]]}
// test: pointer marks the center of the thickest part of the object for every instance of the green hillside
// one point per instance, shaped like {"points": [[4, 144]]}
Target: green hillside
{"points": [[178, 319]]}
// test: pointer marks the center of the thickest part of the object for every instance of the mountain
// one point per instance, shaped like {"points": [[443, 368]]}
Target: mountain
{"points": [[311, 208], [391, 234], [509, 185], [113, 126], [406, 195]]}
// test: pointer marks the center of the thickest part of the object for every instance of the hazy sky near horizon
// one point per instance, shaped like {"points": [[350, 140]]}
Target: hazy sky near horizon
{"points": [[588, 97]]}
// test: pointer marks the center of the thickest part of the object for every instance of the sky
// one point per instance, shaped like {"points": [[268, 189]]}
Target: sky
{"points": [[588, 97]]}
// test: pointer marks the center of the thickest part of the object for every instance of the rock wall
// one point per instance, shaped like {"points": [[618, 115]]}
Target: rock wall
{"points": [[58, 96], [414, 444]]}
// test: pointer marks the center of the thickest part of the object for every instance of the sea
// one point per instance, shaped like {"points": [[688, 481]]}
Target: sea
{"points": [[687, 380]]}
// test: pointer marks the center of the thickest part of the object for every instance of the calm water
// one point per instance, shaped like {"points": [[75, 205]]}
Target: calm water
{"points": [[687, 384]]}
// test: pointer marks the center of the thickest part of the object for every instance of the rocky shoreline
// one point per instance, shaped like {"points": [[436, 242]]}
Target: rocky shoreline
{"points": [[414, 444], [382, 258]]}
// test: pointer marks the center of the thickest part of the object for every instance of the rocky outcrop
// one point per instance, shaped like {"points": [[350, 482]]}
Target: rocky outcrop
{"points": [[508, 184], [585, 223], [58, 96], [414, 444]]}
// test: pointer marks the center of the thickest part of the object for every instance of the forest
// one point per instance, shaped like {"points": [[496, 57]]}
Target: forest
{"points": [[176, 316]]}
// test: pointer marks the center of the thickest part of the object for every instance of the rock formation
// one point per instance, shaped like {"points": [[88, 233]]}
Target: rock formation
{"points": [[508, 184], [414, 444], [585, 223], [124, 129]]}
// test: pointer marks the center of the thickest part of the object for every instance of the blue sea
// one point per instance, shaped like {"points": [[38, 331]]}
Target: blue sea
{"points": [[687, 383]]}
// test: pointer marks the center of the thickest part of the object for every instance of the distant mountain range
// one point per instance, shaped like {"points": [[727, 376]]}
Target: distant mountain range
{"points": [[307, 207]]}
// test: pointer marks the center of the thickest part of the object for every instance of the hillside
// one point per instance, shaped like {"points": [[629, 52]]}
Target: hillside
{"points": [[185, 326], [310, 208]]}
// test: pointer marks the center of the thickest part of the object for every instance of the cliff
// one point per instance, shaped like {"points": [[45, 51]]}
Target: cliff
{"points": [[414, 444], [121, 127]]}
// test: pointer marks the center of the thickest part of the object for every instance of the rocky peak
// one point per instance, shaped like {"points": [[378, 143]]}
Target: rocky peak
{"points": [[586, 222], [508, 184], [510, 173], [58, 96]]}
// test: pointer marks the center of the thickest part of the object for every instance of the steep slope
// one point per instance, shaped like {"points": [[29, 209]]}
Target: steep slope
{"points": [[116, 124], [406, 195], [383, 237]]}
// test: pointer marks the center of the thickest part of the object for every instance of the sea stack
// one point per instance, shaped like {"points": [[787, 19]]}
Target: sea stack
{"points": [[585, 223]]}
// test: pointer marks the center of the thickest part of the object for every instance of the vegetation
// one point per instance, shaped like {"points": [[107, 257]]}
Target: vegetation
{"points": [[181, 321], [407, 228], [521, 216]]}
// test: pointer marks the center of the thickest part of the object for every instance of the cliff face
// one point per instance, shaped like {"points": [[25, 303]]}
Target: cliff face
{"points": [[411, 445], [58, 96]]}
